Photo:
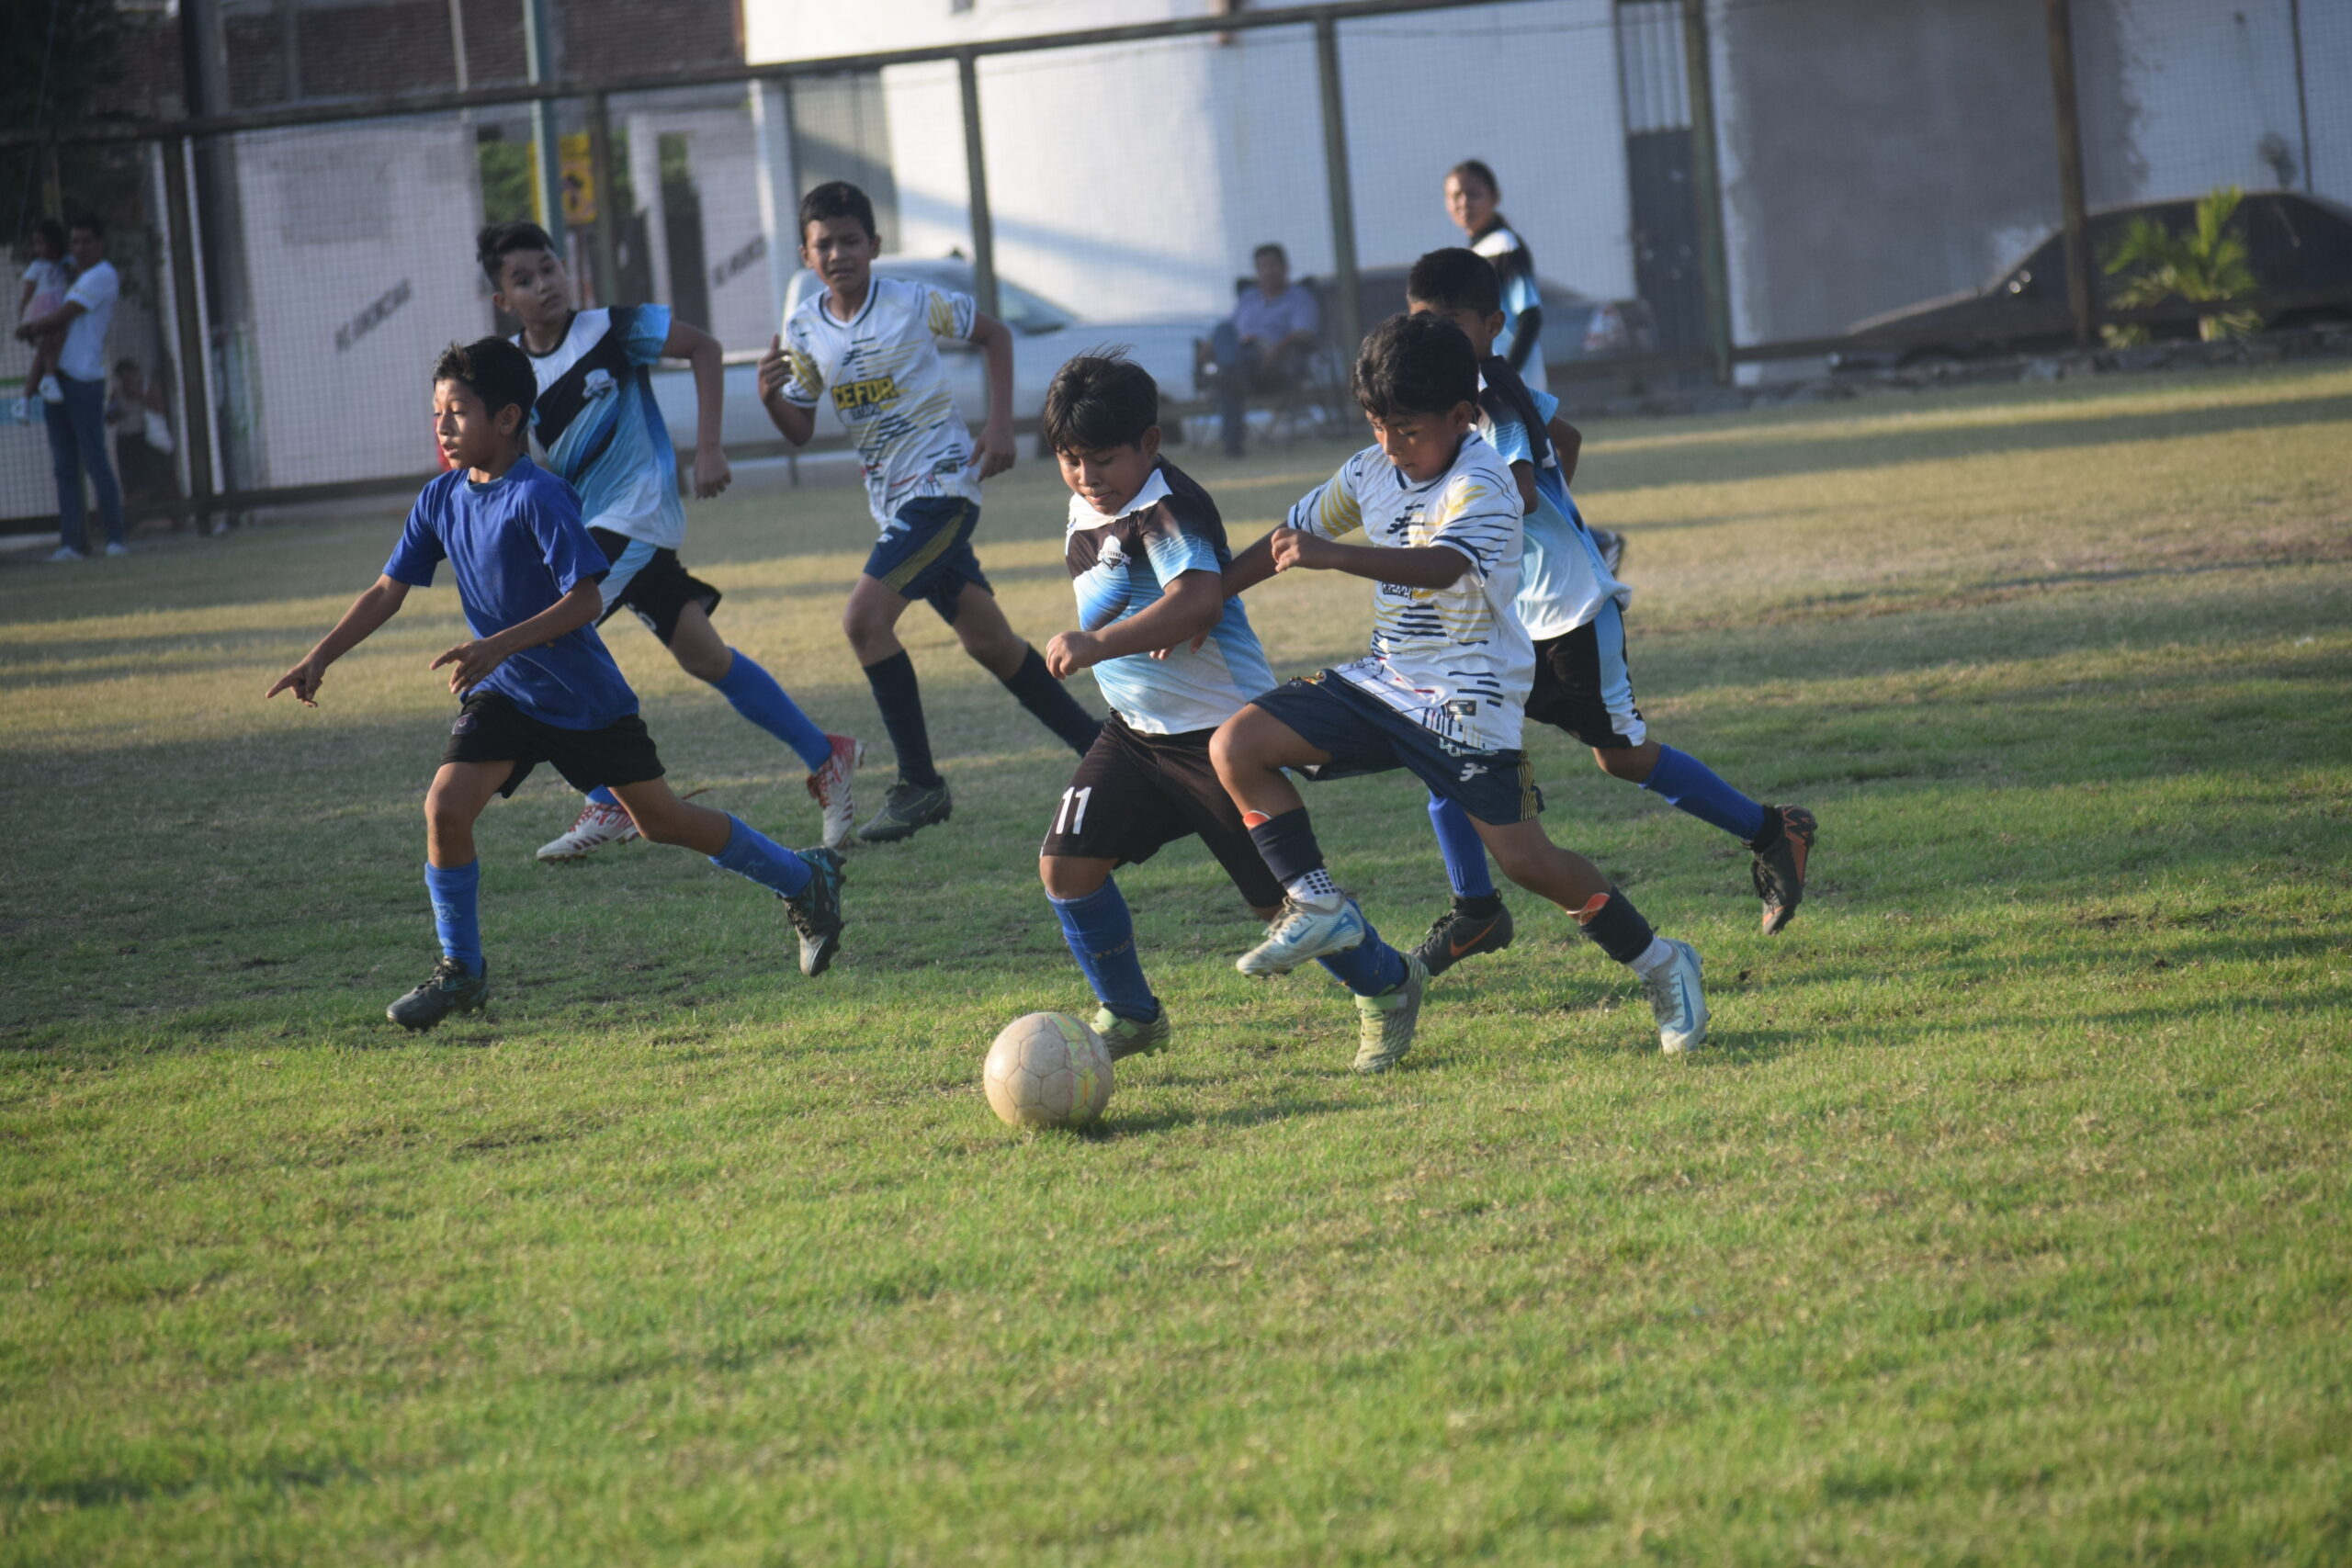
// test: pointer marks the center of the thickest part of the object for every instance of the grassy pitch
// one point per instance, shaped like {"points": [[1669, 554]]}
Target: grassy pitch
{"points": [[2003, 1219]]}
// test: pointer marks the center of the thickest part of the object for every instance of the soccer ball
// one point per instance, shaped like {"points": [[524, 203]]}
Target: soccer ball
{"points": [[1048, 1069]]}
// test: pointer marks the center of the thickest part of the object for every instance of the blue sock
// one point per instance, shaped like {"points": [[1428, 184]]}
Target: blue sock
{"points": [[1102, 937], [604, 796], [751, 854], [758, 698], [1368, 968], [1464, 851], [457, 914], [1689, 784]]}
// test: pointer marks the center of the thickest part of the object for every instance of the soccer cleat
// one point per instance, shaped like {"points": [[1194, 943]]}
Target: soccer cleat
{"points": [[597, 825], [450, 989], [1679, 1000], [1299, 934], [1124, 1037], [906, 809], [829, 787], [1384, 1023], [1455, 936], [1612, 546], [1779, 872], [816, 910]]}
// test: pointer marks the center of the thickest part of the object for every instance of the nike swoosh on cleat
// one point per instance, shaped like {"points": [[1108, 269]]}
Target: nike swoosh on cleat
{"points": [[1459, 948]]}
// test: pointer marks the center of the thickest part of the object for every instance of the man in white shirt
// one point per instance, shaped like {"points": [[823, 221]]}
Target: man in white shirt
{"points": [[77, 423]]}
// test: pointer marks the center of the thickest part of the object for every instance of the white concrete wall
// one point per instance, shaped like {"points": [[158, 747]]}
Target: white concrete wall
{"points": [[722, 155]]}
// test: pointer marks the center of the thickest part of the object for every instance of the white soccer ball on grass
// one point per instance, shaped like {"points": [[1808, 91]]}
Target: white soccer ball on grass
{"points": [[1048, 1069]]}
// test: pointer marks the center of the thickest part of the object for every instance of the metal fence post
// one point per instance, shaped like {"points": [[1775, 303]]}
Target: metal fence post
{"points": [[2059, 16], [1714, 270], [1342, 192], [546, 156], [188, 310], [976, 175], [600, 175]]}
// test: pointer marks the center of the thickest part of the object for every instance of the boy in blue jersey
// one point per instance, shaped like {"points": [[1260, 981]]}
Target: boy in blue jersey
{"points": [[1573, 608], [536, 683], [1146, 554], [1439, 694], [871, 346], [602, 433]]}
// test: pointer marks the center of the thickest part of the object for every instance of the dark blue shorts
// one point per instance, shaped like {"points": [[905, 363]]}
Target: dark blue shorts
{"points": [[1364, 735], [926, 553]]}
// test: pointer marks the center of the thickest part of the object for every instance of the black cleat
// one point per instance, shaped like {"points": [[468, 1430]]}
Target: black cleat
{"points": [[1781, 855], [447, 990], [906, 809], [816, 910], [1455, 935]]}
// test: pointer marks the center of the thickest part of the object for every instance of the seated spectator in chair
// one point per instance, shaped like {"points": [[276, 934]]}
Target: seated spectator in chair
{"points": [[1262, 344], [143, 446]]}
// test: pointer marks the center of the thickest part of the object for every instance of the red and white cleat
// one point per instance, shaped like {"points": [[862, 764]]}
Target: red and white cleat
{"points": [[829, 787], [598, 825]]}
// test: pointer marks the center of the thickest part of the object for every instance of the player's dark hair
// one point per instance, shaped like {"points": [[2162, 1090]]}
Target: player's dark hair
{"points": [[494, 370], [1415, 365], [52, 232], [1475, 168], [1270, 249], [92, 223], [1456, 280], [499, 240], [1097, 401], [837, 199]]}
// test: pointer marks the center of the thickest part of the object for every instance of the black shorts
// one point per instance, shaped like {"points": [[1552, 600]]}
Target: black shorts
{"points": [[926, 553], [1364, 735], [1133, 791], [1582, 686], [649, 581], [491, 728]]}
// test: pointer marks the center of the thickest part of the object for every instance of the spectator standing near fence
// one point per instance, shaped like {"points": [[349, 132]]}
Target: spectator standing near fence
{"points": [[1472, 198], [142, 443], [1261, 345], [77, 421], [47, 277]]}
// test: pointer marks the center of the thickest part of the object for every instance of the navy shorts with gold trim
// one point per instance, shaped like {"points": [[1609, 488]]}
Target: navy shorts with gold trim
{"points": [[1364, 735], [926, 552]]}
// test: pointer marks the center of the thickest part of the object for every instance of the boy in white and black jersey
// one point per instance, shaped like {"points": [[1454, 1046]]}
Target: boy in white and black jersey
{"points": [[871, 345], [1439, 693]]}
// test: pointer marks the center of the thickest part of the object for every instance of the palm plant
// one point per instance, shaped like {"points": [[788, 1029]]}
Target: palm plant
{"points": [[2151, 265]]}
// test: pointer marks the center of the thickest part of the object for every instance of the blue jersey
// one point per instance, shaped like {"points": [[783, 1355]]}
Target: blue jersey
{"points": [[1562, 583], [517, 546], [600, 428], [1121, 565]]}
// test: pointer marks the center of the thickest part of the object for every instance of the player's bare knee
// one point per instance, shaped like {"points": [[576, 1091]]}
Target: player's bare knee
{"points": [[1066, 877], [700, 664]]}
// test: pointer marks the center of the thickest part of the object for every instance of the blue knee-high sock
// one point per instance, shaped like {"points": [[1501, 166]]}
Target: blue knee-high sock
{"points": [[758, 698], [456, 913], [1464, 851], [751, 854], [1689, 784], [604, 796], [1368, 968], [1102, 937]]}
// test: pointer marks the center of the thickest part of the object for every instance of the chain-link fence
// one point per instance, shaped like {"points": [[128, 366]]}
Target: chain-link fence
{"points": [[1705, 187]]}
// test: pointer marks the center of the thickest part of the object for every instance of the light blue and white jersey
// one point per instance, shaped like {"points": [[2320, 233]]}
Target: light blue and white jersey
{"points": [[1562, 583], [1455, 661], [1122, 566], [600, 428], [1515, 270]]}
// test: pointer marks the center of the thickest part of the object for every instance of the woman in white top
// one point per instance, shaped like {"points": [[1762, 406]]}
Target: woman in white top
{"points": [[1471, 197]]}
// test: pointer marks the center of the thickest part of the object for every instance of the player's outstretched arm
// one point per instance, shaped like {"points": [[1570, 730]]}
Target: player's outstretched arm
{"points": [[1423, 566], [472, 659], [376, 604], [1567, 442], [994, 452], [701, 351], [792, 422], [1251, 567], [1185, 610]]}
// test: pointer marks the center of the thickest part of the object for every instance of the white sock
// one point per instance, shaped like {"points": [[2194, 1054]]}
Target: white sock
{"points": [[1659, 953], [1317, 890]]}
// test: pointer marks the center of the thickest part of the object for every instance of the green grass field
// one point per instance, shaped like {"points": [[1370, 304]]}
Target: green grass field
{"points": [[2003, 1219]]}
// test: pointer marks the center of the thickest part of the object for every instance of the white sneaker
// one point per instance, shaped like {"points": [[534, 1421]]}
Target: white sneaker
{"points": [[829, 787], [1299, 934], [116, 547], [50, 392], [597, 826], [67, 552], [1679, 1000]]}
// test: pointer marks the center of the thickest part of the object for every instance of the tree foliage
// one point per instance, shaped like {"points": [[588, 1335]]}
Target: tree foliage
{"points": [[2151, 265]]}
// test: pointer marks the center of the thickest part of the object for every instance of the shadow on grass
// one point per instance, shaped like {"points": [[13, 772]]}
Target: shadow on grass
{"points": [[1116, 1124]]}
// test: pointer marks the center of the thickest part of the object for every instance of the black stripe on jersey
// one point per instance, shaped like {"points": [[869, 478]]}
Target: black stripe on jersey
{"points": [[561, 403]]}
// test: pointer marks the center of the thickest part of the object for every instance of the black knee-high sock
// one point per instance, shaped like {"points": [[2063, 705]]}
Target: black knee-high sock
{"points": [[901, 700], [1052, 704]]}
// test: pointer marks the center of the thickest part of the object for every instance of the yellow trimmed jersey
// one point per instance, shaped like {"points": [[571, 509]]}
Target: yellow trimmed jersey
{"points": [[1455, 661], [880, 370]]}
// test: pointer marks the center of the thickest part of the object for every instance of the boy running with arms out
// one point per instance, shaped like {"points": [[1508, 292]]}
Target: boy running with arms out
{"points": [[602, 433], [872, 344], [1146, 554], [1438, 693], [1573, 608], [537, 684]]}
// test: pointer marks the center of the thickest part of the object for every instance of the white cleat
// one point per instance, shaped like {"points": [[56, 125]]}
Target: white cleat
{"points": [[1300, 934], [597, 826], [829, 787], [1679, 1000]]}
